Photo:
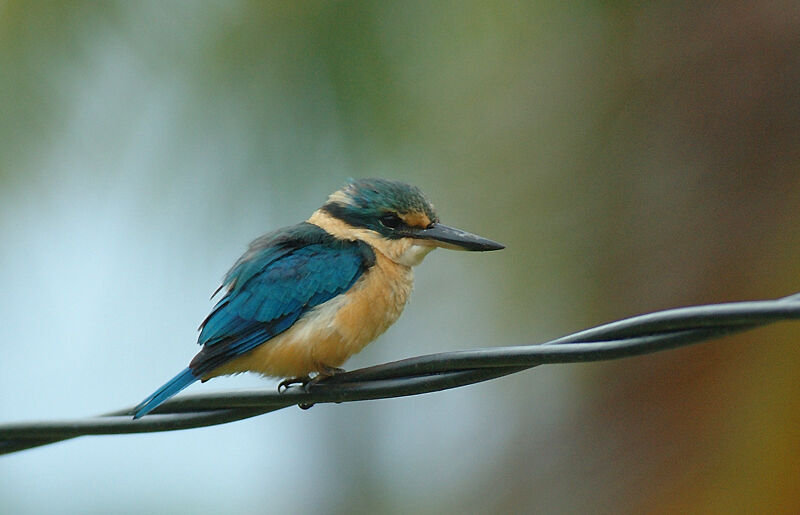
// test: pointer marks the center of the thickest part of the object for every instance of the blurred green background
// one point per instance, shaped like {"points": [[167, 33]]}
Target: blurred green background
{"points": [[632, 156]]}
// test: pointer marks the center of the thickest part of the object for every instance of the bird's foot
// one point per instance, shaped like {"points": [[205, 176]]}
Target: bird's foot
{"points": [[306, 382], [286, 383], [324, 373], [327, 371]]}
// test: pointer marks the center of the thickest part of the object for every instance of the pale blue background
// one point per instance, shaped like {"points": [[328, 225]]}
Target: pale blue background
{"points": [[631, 156]]}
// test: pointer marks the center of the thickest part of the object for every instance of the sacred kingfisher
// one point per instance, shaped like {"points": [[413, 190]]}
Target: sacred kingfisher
{"points": [[305, 298]]}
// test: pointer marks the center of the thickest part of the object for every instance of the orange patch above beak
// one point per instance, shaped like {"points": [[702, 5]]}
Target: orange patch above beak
{"points": [[417, 220]]}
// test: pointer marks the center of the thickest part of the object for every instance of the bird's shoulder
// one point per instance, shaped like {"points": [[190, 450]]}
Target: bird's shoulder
{"points": [[282, 244]]}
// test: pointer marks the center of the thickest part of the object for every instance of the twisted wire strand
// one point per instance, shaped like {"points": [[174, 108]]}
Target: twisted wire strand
{"points": [[643, 334]]}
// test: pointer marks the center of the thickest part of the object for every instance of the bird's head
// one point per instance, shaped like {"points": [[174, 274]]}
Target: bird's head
{"points": [[395, 218]]}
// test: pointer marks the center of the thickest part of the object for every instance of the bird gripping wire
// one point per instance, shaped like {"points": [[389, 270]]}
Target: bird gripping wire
{"points": [[643, 334]]}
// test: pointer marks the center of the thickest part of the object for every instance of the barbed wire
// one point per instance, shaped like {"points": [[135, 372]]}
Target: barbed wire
{"points": [[643, 334]]}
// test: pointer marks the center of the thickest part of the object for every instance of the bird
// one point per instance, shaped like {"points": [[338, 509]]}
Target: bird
{"points": [[303, 299]]}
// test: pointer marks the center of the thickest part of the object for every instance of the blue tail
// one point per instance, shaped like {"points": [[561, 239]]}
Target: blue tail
{"points": [[173, 386]]}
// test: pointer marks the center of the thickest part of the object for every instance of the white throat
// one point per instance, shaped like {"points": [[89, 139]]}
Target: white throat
{"points": [[414, 255]]}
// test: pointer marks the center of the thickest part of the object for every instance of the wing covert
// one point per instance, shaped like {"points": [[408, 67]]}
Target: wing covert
{"points": [[270, 288]]}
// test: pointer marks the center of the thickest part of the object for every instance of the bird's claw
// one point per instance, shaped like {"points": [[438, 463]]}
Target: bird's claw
{"points": [[303, 381], [286, 383], [306, 382]]}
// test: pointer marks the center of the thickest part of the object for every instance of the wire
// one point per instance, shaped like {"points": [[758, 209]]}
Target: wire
{"points": [[643, 334]]}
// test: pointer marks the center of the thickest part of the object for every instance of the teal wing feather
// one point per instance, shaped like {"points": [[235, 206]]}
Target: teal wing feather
{"points": [[281, 276]]}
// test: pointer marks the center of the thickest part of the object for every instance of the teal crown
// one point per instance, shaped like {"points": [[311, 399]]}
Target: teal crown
{"points": [[377, 204]]}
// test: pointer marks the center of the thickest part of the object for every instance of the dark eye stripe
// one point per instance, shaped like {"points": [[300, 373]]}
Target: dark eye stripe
{"points": [[391, 220]]}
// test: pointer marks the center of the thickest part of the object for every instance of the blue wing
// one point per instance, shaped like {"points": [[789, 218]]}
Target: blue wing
{"points": [[265, 302], [280, 277]]}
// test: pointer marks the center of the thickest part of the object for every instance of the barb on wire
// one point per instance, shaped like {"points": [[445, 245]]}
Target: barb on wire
{"points": [[634, 336]]}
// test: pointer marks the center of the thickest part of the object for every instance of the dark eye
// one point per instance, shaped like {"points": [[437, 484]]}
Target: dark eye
{"points": [[391, 220]]}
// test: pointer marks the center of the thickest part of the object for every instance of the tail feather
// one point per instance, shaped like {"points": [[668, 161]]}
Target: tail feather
{"points": [[173, 386]]}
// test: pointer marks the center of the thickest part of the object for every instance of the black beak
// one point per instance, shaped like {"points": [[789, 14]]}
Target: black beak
{"points": [[456, 239]]}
